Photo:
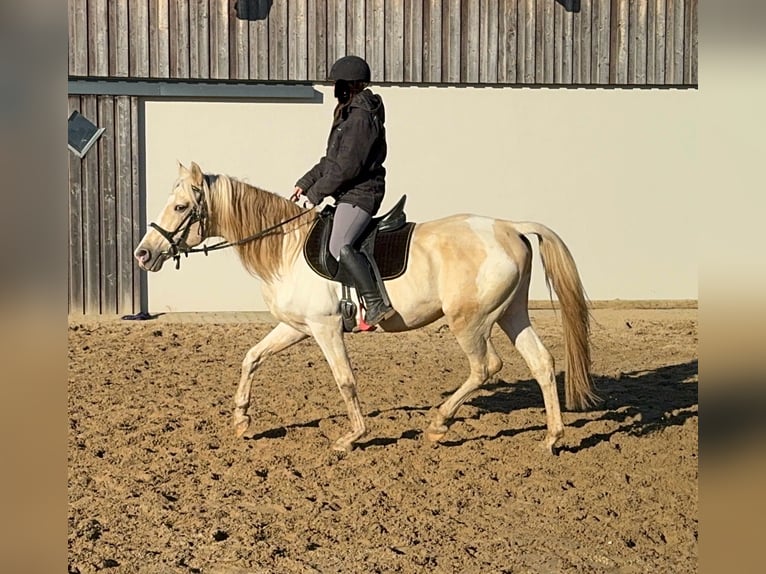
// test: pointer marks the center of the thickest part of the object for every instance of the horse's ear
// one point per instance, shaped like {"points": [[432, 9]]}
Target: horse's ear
{"points": [[196, 174], [182, 171]]}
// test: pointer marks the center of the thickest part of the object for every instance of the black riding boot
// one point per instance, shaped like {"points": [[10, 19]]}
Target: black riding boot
{"points": [[356, 265]]}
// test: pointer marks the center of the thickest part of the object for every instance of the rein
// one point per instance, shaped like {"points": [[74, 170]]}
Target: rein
{"points": [[179, 247]]}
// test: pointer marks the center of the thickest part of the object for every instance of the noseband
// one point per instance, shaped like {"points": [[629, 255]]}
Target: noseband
{"points": [[177, 238]]}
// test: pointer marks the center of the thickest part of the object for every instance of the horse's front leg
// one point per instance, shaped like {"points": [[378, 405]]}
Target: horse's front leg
{"points": [[281, 337], [329, 337]]}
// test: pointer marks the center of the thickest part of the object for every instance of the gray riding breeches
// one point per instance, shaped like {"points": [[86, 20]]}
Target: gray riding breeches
{"points": [[349, 223]]}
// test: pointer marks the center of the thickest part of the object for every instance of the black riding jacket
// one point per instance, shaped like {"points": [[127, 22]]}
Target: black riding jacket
{"points": [[352, 169]]}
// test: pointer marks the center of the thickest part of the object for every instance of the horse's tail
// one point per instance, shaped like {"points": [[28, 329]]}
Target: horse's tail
{"points": [[561, 272]]}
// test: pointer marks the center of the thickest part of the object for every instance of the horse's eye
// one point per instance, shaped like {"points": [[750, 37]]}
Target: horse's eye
{"points": [[181, 207]]}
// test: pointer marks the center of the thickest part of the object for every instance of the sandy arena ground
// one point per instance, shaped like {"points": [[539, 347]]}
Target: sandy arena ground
{"points": [[158, 483]]}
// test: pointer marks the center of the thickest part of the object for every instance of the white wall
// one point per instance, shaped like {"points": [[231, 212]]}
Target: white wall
{"points": [[619, 174]]}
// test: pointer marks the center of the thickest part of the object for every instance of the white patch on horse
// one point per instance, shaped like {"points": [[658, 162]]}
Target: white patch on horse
{"points": [[497, 266]]}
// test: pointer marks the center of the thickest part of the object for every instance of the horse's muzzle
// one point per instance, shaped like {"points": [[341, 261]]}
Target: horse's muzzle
{"points": [[146, 261]]}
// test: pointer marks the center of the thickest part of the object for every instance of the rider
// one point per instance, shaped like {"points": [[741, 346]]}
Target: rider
{"points": [[352, 173]]}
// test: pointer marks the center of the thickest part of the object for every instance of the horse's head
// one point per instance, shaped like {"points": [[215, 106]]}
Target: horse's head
{"points": [[180, 225]]}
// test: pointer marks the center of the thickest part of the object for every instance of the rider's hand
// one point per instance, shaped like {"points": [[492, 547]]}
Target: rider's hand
{"points": [[297, 193]]}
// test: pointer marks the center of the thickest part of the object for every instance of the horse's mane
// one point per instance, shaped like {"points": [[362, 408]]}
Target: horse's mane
{"points": [[239, 210]]}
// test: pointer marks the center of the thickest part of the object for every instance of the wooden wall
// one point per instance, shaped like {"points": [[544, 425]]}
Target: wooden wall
{"points": [[480, 42], [566, 42], [104, 215]]}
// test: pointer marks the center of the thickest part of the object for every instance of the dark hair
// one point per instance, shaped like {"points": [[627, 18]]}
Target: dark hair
{"points": [[354, 88]]}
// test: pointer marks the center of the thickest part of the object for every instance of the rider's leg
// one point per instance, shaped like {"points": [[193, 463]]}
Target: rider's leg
{"points": [[349, 222]]}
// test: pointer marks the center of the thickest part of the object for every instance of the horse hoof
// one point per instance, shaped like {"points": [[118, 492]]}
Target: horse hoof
{"points": [[342, 446], [240, 427], [548, 445], [435, 434]]}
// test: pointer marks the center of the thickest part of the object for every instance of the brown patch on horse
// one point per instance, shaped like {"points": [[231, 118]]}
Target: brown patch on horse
{"points": [[460, 300]]}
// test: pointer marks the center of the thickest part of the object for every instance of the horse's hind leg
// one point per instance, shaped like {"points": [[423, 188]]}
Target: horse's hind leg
{"points": [[281, 337], [515, 323], [484, 363]]}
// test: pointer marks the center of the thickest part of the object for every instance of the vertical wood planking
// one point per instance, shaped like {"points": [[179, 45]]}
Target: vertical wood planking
{"points": [[489, 26], [163, 39], [577, 30], [219, 37], [378, 43], [355, 28], [451, 41], [159, 48], [600, 37], [138, 19], [670, 30], [487, 41], [153, 38], [135, 187], [548, 41], [297, 53], [123, 161], [259, 49], [118, 40], [317, 40], [179, 38], [659, 49], [91, 221], [199, 39], [521, 40], [336, 31], [394, 36], [620, 18], [239, 47], [75, 275], [530, 43], [98, 40], [639, 56], [413, 41], [78, 38], [567, 65], [678, 41], [432, 40], [632, 40], [585, 44], [651, 7], [691, 43], [539, 35], [507, 37], [107, 205], [193, 39], [558, 43], [278, 55]]}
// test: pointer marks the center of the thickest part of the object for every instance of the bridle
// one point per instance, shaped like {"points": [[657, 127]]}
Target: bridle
{"points": [[200, 214]]}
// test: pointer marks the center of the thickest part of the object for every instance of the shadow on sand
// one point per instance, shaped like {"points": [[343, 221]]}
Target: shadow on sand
{"points": [[640, 402]]}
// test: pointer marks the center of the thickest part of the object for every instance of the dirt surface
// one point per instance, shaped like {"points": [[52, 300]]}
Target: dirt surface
{"points": [[159, 484]]}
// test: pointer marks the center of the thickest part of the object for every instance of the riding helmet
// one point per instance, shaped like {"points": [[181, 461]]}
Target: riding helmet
{"points": [[350, 69]]}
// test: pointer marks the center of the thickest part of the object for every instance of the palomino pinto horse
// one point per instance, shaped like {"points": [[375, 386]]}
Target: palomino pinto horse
{"points": [[474, 271]]}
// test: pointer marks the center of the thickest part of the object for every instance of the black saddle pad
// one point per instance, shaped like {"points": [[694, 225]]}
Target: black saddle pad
{"points": [[391, 251]]}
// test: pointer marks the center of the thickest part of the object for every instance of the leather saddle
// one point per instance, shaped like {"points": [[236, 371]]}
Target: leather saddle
{"points": [[385, 242]]}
